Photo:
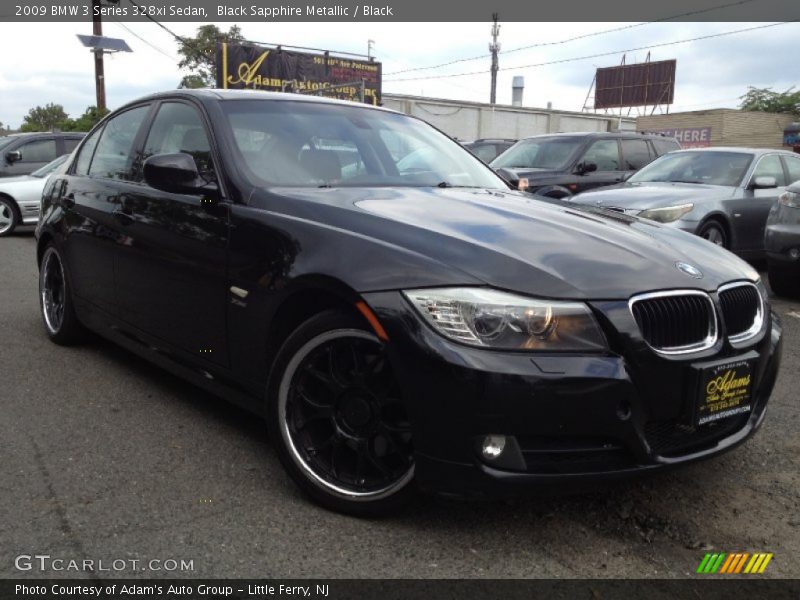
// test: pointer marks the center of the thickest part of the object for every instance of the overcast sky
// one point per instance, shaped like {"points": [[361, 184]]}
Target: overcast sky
{"points": [[44, 63]]}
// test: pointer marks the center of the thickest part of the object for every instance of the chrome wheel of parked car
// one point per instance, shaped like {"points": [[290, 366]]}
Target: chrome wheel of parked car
{"points": [[342, 422], [58, 314], [714, 233], [9, 216], [53, 290]]}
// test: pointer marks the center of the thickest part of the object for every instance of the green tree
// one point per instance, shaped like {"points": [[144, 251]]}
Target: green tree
{"points": [[44, 118], [90, 117], [764, 99], [199, 54]]}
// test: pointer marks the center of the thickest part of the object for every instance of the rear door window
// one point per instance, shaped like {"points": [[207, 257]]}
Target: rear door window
{"points": [[665, 145], [86, 153], [70, 144], [113, 157], [635, 154]]}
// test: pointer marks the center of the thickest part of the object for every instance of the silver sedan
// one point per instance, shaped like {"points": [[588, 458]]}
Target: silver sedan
{"points": [[20, 197], [721, 194]]}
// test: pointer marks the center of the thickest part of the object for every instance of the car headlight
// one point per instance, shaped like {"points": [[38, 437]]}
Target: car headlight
{"points": [[668, 214], [790, 199], [494, 319]]}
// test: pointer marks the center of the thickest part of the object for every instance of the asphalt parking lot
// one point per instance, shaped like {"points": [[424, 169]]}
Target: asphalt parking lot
{"points": [[105, 457]]}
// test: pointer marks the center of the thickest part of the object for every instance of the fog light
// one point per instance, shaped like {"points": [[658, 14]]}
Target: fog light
{"points": [[493, 446], [794, 253]]}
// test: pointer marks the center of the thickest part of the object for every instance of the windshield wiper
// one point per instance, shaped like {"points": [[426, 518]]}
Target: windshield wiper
{"points": [[447, 184]]}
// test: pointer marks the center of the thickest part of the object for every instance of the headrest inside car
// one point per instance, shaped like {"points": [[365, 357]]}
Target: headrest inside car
{"points": [[321, 164]]}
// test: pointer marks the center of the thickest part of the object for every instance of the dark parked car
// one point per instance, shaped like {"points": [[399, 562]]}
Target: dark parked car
{"points": [[398, 328], [564, 164], [721, 194], [782, 238], [488, 149], [24, 153]]}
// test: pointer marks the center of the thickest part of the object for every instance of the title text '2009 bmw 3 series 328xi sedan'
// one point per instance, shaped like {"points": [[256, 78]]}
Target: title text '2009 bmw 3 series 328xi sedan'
{"points": [[399, 327]]}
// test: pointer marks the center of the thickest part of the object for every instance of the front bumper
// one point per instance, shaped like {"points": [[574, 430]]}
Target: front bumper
{"points": [[29, 211], [781, 238], [575, 418]]}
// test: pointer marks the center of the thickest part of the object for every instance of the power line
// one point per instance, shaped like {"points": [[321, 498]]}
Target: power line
{"points": [[573, 39], [164, 27], [566, 60], [153, 46]]}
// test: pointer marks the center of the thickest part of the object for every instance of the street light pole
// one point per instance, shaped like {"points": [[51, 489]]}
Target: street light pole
{"points": [[99, 75]]}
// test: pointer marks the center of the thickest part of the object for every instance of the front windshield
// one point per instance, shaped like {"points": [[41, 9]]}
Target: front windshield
{"points": [[539, 153], [49, 167], [309, 144], [713, 168]]}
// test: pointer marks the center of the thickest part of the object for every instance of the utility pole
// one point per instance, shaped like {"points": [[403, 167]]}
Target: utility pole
{"points": [[99, 75], [370, 48], [494, 48]]}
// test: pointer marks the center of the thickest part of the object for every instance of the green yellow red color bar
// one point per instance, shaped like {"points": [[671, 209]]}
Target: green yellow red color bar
{"points": [[735, 562]]}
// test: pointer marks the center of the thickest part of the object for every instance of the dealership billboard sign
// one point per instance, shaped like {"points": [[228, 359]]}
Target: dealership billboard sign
{"points": [[640, 84], [688, 137], [276, 69]]}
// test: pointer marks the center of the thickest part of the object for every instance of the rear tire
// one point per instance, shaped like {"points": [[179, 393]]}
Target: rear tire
{"points": [[336, 418], [55, 300], [784, 280], [9, 216]]}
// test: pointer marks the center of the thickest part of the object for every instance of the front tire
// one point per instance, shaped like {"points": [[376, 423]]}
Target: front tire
{"points": [[714, 232], [9, 216], [784, 280], [55, 300], [337, 420]]}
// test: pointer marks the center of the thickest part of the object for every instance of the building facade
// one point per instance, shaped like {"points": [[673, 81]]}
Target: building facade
{"points": [[721, 127], [475, 120]]}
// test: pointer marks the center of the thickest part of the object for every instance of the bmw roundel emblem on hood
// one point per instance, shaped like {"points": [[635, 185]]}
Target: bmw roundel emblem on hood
{"points": [[690, 270]]}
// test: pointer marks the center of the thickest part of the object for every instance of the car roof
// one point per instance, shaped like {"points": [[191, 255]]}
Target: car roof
{"points": [[212, 94], [756, 151], [603, 134], [27, 134], [491, 141]]}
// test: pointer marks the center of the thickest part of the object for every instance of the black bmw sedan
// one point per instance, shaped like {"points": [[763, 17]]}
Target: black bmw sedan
{"points": [[398, 326]]}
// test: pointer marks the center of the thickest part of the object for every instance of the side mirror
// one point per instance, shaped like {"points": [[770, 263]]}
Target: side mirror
{"points": [[13, 156], [764, 182], [586, 167], [508, 176], [176, 173]]}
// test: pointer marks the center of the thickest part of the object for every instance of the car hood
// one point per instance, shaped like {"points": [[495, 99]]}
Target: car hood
{"points": [[534, 174], [17, 179], [515, 242], [652, 195]]}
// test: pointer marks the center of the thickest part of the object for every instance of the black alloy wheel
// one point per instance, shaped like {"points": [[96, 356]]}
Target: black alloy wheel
{"points": [[337, 417]]}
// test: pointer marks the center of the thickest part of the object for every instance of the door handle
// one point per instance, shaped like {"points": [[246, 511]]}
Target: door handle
{"points": [[123, 217]]}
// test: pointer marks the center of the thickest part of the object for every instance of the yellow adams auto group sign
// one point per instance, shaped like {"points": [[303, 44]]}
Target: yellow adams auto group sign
{"points": [[249, 66]]}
